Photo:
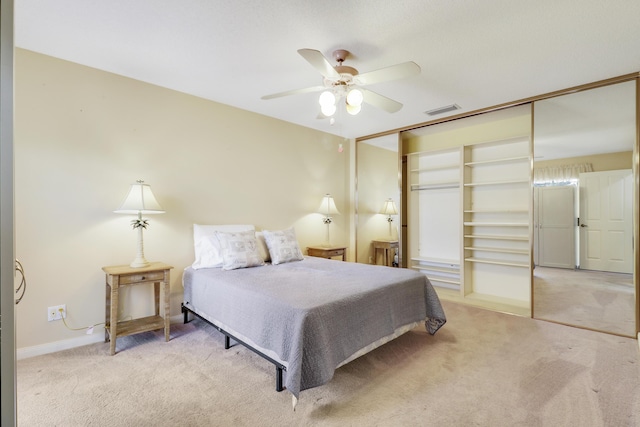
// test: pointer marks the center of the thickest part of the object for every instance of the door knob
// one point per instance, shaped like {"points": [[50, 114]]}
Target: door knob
{"points": [[583, 225]]}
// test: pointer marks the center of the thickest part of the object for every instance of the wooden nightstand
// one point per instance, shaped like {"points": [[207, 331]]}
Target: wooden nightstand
{"points": [[386, 246], [328, 252], [122, 275]]}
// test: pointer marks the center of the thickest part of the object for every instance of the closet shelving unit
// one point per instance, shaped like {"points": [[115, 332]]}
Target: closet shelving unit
{"points": [[435, 199], [491, 264]]}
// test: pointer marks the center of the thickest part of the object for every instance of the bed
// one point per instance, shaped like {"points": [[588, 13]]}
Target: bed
{"points": [[312, 315]]}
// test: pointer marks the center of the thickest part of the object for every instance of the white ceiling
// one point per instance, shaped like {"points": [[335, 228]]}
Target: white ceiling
{"points": [[475, 54]]}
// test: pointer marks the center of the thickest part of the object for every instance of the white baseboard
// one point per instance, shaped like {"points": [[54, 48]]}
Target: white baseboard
{"points": [[52, 347]]}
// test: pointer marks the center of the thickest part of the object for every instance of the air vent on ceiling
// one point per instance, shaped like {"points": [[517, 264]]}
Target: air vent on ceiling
{"points": [[442, 110]]}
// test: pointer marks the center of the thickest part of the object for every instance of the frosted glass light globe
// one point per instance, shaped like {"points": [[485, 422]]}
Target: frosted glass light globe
{"points": [[355, 97], [327, 98]]}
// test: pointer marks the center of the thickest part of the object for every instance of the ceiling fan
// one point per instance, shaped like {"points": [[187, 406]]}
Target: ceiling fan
{"points": [[346, 82]]}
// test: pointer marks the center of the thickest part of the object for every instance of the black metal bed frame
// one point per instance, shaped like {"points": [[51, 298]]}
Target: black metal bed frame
{"points": [[227, 345]]}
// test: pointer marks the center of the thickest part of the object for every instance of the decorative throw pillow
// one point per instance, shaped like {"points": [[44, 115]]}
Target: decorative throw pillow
{"points": [[239, 249], [283, 246], [206, 246]]}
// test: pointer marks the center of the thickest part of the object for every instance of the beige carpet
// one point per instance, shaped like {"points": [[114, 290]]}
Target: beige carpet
{"points": [[592, 299], [481, 369]]}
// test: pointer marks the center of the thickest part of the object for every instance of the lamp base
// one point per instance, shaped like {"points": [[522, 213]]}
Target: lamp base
{"points": [[139, 262]]}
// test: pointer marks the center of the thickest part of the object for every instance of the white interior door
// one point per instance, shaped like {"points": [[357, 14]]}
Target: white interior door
{"points": [[606, 235], [556, 226]]}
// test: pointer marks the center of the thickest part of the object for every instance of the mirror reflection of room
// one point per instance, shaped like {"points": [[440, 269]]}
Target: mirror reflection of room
{"points": [[583, 208], [378, 206]]}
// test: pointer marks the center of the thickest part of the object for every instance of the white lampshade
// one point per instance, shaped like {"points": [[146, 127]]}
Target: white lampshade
{"points": [[140, 200], [389, 208], [328, 206]]}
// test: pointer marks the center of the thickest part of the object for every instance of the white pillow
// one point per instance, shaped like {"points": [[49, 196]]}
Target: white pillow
{"points": [[206, 246], [239, 249], [283, 246], [262, 246]]}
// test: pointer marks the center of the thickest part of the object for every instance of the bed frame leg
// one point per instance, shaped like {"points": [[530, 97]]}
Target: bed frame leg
{"points": [[227, 346], [185, 313], [279, 379]]}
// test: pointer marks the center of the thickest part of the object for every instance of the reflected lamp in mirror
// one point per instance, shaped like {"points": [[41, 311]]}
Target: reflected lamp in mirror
{"points": [[389, 208], [328, 208], [140, 200]]}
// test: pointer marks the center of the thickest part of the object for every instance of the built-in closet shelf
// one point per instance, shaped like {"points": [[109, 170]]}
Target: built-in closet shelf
{"points": [[453, 263], [435, 168], [497, 237], [436, 269], [497, 262], [497, 161], [480, 184], [436, 185], [496, 224], [441, 273], [496, 211], [498, 250]]}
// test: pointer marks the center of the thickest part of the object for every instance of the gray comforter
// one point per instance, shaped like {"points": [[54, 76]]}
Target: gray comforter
{"points": [[314, 314]]}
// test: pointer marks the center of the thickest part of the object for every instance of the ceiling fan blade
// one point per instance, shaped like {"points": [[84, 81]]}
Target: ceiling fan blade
{"points": [[394, 72], [295, 92], [380, 101], [320, 63]]}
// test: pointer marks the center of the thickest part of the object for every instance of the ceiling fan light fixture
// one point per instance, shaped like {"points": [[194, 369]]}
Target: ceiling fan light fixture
{"points": [[328, 109], [353, 109], [327, 98], [355, 98]]}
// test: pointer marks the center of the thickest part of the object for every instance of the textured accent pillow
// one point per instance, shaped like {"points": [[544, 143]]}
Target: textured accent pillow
{"points": [[283, 246], [206, 246], [239, 249]]}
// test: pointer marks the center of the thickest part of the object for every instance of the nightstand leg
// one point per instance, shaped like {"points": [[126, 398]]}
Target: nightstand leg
{"points": [[167, 306], [113, 319], [156, 296], [107, 311]]}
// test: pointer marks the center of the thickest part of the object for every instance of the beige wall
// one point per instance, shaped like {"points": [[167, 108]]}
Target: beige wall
{"points": [[83, 135], [601, 162], [494, 126]]}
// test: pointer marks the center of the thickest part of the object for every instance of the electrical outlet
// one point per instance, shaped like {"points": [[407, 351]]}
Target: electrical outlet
{"points": [[57, 312]]}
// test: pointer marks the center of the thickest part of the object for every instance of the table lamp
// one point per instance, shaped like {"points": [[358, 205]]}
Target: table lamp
{"points": [[389, 208], [328, 208], [140, 200]]}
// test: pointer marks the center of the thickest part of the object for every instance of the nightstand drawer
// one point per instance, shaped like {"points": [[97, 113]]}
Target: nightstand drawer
{"points": [[334, 252], [152, 276], [330, 252]]}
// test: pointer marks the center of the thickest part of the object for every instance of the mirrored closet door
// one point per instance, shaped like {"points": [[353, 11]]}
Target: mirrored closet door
{"points": [[584, 146], [378, 200]]}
